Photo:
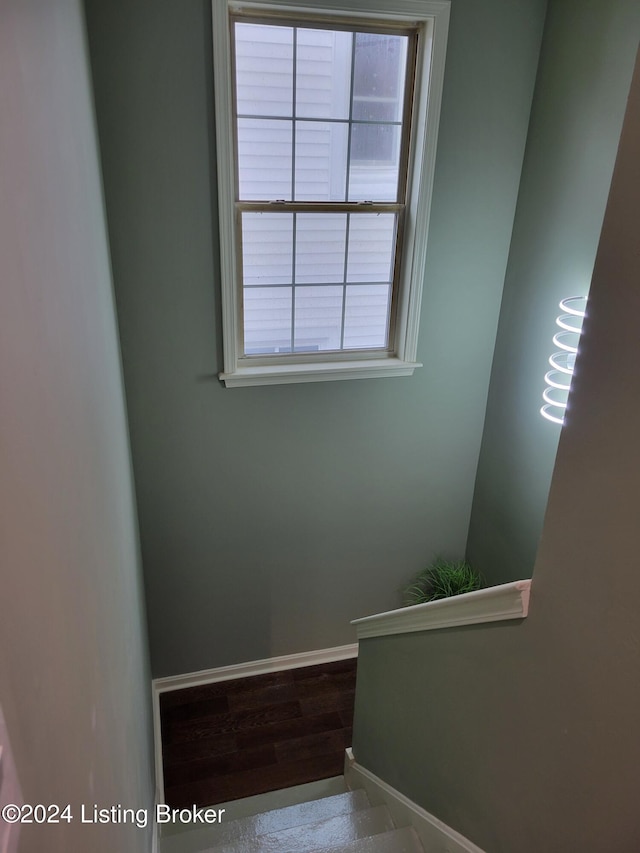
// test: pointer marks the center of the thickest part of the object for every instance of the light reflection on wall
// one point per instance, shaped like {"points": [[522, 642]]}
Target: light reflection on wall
{"points": [[562, 362]]}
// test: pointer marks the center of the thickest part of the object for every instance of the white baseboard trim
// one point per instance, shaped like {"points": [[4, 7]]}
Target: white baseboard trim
{"points": [[226, 673], [436, 836], [157, 744], [155, 838], [255, 667]]}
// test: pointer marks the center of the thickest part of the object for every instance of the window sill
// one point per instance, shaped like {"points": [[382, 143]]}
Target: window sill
{"points": [[281, 374], [506, 601]]}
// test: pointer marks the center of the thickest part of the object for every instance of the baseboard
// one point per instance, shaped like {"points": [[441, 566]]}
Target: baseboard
{"points": [[155, 838], [157, 744], [435, 835], [226, 673], [255, 667]]}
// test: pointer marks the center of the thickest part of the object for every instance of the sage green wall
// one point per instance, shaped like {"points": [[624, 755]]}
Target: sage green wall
{"points": [[74, 669], [523, 736], [586, 61], [271, 517]]}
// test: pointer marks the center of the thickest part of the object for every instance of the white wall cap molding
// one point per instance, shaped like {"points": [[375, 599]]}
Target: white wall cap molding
{"points": [[494, 604], [436, 836]]}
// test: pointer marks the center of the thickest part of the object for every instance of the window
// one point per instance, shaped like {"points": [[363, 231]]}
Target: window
{"points": [[326, 127]]}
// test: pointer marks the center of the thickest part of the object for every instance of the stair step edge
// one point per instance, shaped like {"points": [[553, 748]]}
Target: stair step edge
{"points": [[404, 840]]}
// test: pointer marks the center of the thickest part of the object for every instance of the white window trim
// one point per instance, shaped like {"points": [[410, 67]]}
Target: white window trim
{"points": [[434, 15]]}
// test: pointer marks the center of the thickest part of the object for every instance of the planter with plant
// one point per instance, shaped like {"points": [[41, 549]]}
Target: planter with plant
{"points": [[442, 579]]}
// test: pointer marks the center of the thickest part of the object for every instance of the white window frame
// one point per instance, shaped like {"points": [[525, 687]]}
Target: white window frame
{"points": [[432, 16]]}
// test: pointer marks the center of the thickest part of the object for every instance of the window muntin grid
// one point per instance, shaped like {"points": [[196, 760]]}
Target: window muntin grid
{"points": [[295, 256], [301, 168]]}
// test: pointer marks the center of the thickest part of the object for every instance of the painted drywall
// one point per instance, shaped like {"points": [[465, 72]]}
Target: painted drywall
{"points": [[74, 672], [271, 517], [523, 736], [585, 68]]}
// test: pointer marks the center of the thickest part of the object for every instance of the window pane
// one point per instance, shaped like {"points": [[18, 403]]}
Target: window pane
{"points": [[318, 318], [375, 162], [267, 320], [267, 248], [317, 282], [321, 160], [323, 69], [371, 247], [366, 313], [264, 70], [320, 247], [264, 159], [378, 76]]}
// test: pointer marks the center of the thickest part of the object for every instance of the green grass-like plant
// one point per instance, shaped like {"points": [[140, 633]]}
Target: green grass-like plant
{"points": [[442, 579]]}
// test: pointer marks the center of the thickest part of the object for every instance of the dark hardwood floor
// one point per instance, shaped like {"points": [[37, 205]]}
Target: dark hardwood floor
{"points": [[243, 737]]}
